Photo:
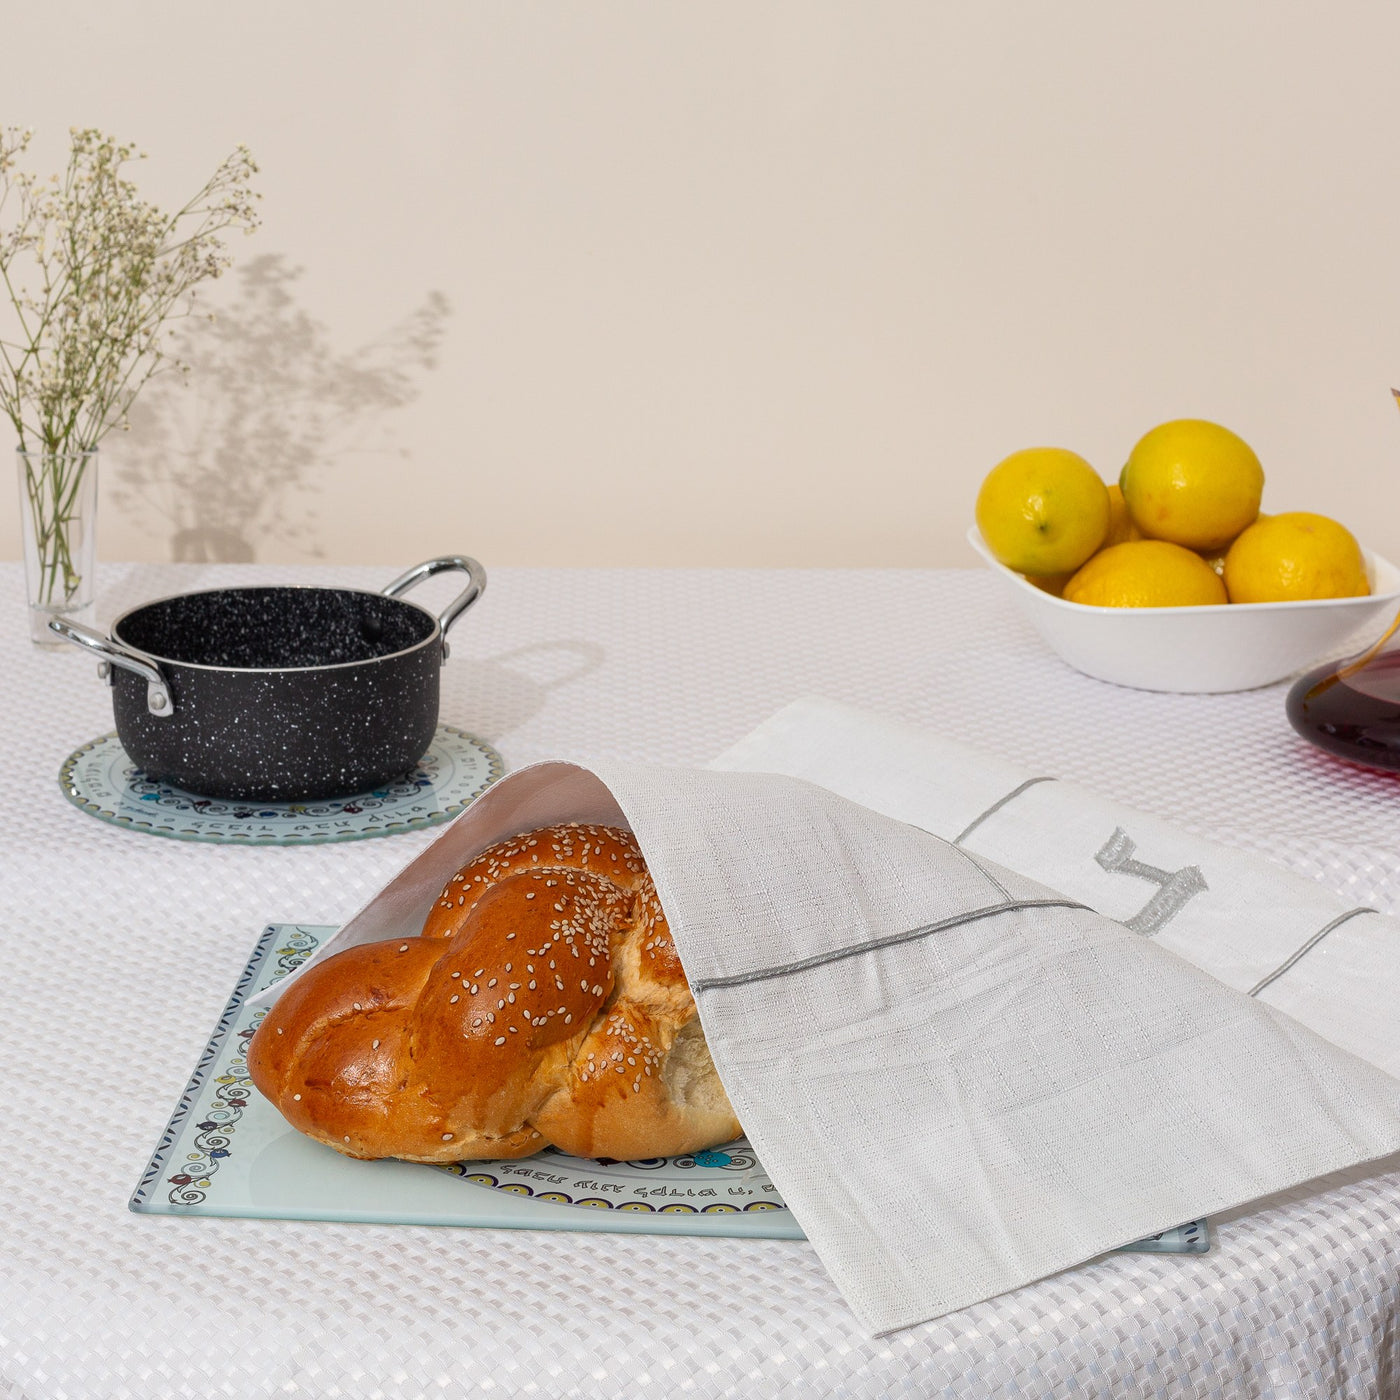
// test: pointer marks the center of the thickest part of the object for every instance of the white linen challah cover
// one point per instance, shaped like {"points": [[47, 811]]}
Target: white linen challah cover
{"points": [[959, 1079]]}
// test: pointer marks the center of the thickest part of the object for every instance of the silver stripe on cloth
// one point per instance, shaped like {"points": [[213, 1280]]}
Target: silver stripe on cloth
{"points": [[1308, 947]]}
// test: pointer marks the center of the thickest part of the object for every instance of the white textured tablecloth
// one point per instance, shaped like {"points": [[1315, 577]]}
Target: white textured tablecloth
{"points": [[120, 951]]}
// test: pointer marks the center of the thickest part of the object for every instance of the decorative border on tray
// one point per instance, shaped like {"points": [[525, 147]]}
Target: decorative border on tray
{"points": [[301, 943], [562, 1198], [455, 806], [1191, 1238], [506, 1177]]}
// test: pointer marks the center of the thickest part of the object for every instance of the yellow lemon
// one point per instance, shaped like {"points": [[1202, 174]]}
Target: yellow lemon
{"points": [[1043, 511], [1193, 483], [1120, 524], [1293, 556], [1145, 574], [1050, 583]]}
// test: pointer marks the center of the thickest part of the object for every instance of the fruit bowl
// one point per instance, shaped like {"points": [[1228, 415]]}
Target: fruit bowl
{"points": [[1203, 650]]}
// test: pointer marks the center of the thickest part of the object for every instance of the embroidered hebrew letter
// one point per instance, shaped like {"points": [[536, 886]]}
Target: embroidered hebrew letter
{"points": [[1174, 887]]}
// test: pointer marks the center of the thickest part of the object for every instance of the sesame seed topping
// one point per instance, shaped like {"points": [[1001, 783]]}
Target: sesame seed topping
{"points": [[375, 1046], [452, 999], [500, 1040], [404, 948], [297, 1097], [447, 1137]]}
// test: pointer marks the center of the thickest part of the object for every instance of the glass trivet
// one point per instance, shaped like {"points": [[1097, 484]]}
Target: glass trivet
{"points": [[101, 780]]}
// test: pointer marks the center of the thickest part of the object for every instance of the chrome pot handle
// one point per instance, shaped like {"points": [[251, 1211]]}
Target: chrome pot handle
{"points": [[476, 585], [158, 697]]}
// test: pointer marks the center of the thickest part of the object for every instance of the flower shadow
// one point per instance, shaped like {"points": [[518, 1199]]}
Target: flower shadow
{"points": [[226, 457]]}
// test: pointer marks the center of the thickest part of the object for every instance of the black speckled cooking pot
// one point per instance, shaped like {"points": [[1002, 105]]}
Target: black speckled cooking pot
{"points": [[279, 694]]}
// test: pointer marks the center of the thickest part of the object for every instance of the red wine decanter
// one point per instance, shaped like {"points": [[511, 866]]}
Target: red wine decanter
{"points": [[1352, 708]]}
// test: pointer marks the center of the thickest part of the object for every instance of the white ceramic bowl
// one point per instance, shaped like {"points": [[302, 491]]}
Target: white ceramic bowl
{"points": [[1203, 649]]}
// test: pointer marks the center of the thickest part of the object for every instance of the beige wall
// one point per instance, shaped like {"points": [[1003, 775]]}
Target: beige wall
{"points": [[765, 282]]}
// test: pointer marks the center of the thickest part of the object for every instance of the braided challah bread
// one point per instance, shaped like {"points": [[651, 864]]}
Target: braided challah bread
{"points": [[542, 1004]]}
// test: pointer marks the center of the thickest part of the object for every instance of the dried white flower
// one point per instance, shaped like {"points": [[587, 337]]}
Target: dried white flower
{"points": [[110, 270]]}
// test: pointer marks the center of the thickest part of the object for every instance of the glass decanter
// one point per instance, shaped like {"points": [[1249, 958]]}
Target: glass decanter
{"points": [[1352, 708]]}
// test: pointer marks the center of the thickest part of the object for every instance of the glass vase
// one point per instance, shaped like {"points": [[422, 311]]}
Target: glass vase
{"points": [[58, 519]]}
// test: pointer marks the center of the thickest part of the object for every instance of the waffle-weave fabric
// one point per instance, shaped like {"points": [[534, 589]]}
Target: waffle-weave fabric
{"points": [[120, 951]]}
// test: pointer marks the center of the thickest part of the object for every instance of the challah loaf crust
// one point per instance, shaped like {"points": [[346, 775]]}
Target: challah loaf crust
{"points": [[543, 1004]]}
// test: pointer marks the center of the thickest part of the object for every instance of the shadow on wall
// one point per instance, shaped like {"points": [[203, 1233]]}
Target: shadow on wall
{"points": [[219, 455]]}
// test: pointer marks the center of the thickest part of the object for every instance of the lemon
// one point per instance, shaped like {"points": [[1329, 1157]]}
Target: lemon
{"points": [[1043, 510], [1145, 574], [1293, 556], [1050, 583], [1120, 524], [1193, 483]]}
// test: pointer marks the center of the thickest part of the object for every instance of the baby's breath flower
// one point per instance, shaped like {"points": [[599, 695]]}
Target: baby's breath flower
{"points": [[110, 271]]}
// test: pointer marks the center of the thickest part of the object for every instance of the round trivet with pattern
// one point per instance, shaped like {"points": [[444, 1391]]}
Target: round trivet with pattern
{"points": [[101, 780]]}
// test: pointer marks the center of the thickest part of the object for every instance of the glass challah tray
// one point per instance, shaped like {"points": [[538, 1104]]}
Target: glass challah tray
{"points": [[228, 1152]]}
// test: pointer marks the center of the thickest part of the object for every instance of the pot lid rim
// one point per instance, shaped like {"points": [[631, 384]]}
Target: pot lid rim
{"points": [[434, 635]]}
